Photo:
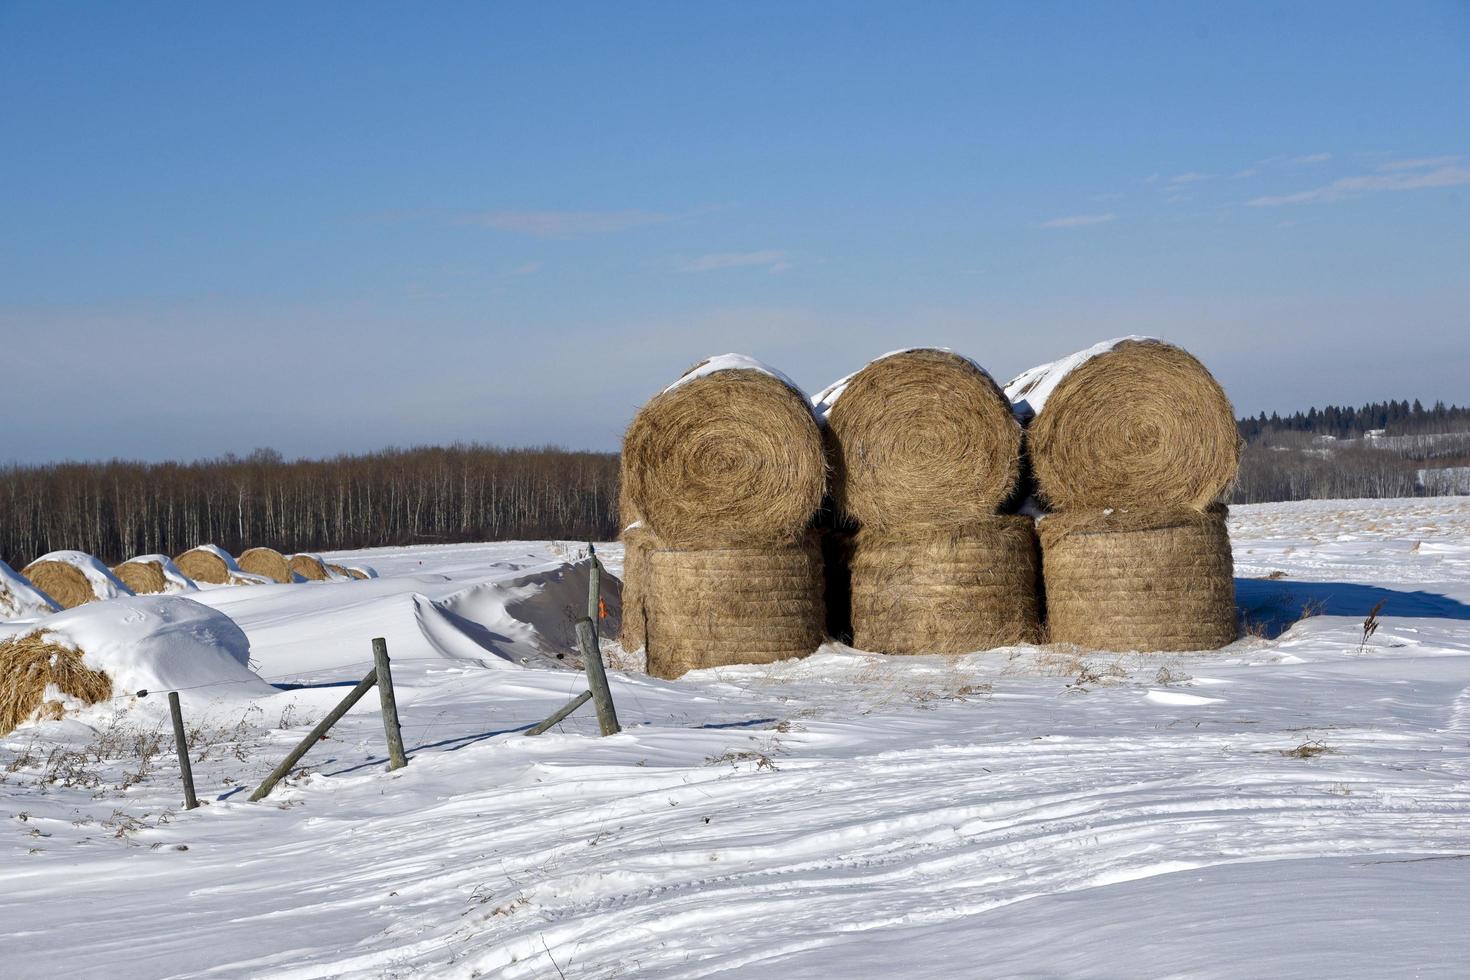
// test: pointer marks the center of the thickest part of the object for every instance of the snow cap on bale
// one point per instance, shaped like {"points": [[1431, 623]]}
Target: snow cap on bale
{"points": [[208, 563], [722, 606], [309, 567], [1139, 579], [267, 562], [730, 454], [151, 574], [1132, 422], [337, 573], [152, 643], [74, 578], [945, 590], [19, 597], [361, 572], [919, 436]]}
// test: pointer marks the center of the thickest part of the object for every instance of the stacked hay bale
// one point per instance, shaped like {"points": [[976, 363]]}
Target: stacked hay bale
{"points": [[20, 599], [74, 578], [722, 472], [267, 562], [925, 452], [1132, 444]]}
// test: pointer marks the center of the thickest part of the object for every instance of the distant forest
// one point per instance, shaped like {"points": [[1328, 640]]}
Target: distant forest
{"points": [[117, 510]]}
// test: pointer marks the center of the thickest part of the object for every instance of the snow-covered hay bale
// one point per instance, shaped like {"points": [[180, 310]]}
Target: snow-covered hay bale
{"points": [[174, 579], [337, 573], [74, 578], [1143, 579], [359, 574], [309, 567], [728, 455], [267, 562], [19, 597], [1133, 422], [638, 543], [38, 677], [946, 590], [715, 607], [920, 437], [143, 577], [208, 563]]}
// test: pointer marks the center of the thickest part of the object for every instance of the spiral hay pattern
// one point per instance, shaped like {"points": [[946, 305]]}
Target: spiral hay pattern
{"points": [[1147, 580], [267, 562], [727, 459], [63, 582], [203, 565], [1142, 425], [143, 577], [921, 437], [946, 590], [716, 607]]}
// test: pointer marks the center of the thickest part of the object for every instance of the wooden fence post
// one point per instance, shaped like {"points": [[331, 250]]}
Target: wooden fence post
{"points": [[560, 714], [607, 715], [333, 716], [186, 772], [396, 758]]}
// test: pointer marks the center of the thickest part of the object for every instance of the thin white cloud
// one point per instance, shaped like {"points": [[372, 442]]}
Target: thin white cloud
{"points": [[1311, 158], [1079, 220], [1422, 163], [1189, 178], [1349, 187], [565, 224], [772, 260]]}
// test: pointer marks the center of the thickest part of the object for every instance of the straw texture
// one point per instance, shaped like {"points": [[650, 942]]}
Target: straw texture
{"points": [[921, 437], [309, 567], [265, 561], [715, 607], [143, 577], [203, 565], [63, 582], [730, 458], [28, 664], [1141, 425], [638, 543], [946, 590], [1146, 580]]}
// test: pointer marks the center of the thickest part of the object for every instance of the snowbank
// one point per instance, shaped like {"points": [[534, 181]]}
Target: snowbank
{"points": [[1029, 390], [19, 599]]}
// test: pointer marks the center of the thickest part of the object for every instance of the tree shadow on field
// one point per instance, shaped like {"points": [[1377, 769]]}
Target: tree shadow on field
{"points": [[1269, 607]]}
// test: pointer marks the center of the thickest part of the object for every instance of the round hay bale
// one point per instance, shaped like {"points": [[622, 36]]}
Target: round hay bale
{"points": [[715, 607], [73, 578], [725, 456], [29, 663], [309, 567], [207, 563], [638, 543], [338, 571], [266, 561], [946, 590], [1129, 423], [143, 577], [920, 437], [1143, 579], [358, 573], [20, 599]]}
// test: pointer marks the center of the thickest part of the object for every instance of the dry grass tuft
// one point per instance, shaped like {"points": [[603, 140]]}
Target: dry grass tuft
{"points": [[715, 607], [922, 437], [930, 590], [1149, 580], [203, 565], [143, 577], [309, 567], [727, 459], [265, 561], [63, 582], [29, 664], [1143, 425]]}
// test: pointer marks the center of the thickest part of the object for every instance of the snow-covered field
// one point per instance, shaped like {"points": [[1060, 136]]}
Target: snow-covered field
{"points": [[1295, 805]]}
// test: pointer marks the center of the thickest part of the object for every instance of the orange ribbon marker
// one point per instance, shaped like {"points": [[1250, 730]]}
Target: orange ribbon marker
{"points": [[601, 608]]}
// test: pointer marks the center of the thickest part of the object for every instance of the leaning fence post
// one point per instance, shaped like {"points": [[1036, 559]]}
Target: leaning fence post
{"points": [[607, 715], [186, 772], [396, 758], [333, 716], [560, 714]]}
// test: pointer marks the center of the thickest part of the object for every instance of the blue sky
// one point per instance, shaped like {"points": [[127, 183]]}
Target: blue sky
{"points": [[334, 227]]}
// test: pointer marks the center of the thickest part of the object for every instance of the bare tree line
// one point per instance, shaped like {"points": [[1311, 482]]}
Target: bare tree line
{"points": [[119, 509]]}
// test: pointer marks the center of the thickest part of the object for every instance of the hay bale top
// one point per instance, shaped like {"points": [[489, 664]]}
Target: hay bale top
{"points": [[1133, 422], [208, 563], [267, 562], [174, 577], [730, 453], [159, 643], [74, 578], [824, 400], [310, 568], [20, 599], [918, 437]]}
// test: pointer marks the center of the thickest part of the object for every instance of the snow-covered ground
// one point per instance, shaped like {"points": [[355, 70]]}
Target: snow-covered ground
{"points": [[1295, 805]]}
